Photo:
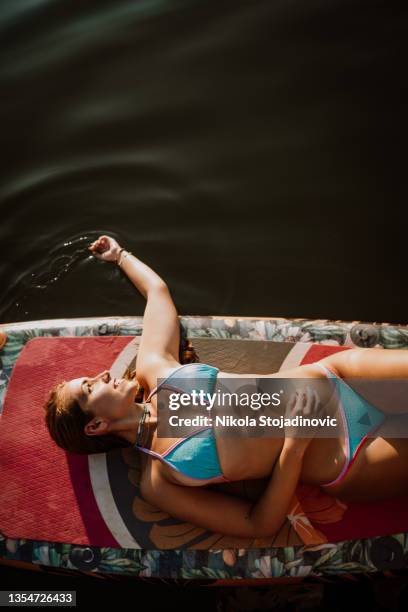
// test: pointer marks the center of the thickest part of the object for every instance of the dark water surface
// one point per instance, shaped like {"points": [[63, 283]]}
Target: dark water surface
{"points": [[252, 153]]}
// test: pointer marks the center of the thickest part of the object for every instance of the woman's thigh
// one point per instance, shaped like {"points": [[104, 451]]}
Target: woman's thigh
{"points": [[380, 470]]}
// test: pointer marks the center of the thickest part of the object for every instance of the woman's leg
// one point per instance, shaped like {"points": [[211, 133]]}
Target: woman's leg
{"points": [[378, 375], [381, 467]]}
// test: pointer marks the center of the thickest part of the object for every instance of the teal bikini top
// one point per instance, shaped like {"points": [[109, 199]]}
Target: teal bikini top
{"points": [[196, 455]]}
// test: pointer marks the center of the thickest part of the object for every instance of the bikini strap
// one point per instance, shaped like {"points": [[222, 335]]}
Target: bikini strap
{"points": [[148, 451], [162, 386], [328, 371]]}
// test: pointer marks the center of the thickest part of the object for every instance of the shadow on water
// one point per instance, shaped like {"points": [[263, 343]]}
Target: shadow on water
{"points": [[250, 153]]}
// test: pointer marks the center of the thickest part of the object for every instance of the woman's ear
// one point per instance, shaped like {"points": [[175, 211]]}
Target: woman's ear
{"points": [[96, 427]]}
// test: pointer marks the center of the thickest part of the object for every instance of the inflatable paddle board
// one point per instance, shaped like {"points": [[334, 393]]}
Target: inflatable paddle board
{"points": [[84, 513]]}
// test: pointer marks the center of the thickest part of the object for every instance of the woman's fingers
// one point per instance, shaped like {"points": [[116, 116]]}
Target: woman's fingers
{"points": [[304, 401], [105, 248], [290, 406], [311, 402], [308, 401], [99, 244]]}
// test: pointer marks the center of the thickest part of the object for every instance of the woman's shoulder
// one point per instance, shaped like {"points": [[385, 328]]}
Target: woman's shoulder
{"points": [[155, 368], [159, 368]]}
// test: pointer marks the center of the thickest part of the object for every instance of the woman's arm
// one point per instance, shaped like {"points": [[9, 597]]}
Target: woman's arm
{"points": [[270, 510], [226, 514], [144, 278], [159, 344], [160, 341], [231, 516]]}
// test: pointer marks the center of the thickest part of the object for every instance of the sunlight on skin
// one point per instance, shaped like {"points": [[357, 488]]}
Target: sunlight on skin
{"points": [[111, 400]]}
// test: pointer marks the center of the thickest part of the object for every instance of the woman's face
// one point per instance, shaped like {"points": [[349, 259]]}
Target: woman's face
{"points": [[105, 396]]}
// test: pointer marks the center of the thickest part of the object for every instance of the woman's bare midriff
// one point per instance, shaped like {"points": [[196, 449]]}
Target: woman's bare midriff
{"points": [[246, 458], [253, 458], [378, 471]]}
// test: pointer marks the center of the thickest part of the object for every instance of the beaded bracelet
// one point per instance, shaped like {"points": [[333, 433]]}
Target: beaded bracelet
{"points": [[119, 259]]}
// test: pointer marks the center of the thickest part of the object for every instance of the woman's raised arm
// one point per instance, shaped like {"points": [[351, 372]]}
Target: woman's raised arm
{"points": [[161, 328], [144, 278]]}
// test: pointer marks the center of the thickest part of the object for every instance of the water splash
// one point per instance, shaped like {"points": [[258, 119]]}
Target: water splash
{"points": [[62, 259]]}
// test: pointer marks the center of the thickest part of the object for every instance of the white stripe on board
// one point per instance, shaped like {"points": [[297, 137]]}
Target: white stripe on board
{"points": [[122, 361], [101, 487]]}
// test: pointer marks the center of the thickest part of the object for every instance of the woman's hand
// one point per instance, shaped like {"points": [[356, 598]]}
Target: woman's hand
{"points": [[105, 248], [304, 403]]}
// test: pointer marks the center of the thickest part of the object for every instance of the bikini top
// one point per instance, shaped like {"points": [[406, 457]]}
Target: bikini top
{"points": [[196, 455], [190, 371]]}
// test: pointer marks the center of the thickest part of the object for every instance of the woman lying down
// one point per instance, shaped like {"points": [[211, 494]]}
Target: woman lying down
{"points": [[99, 413]]}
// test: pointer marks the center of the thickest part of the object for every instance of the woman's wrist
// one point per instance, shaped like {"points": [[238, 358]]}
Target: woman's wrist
{"points": [[296, 445], [121, 256]]}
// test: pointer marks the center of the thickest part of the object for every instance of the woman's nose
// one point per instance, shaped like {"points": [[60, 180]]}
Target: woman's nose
{"points": [[102, 375]]}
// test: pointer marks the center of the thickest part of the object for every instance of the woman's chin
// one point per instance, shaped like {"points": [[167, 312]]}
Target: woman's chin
{"points": [[133, 385]]}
